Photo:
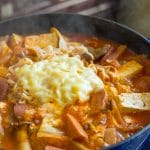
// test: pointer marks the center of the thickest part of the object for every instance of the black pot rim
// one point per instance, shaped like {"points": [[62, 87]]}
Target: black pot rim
{"points": [[108, 21]]}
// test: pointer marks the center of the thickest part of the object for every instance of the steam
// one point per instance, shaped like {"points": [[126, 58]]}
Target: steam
{"points": [[136, 14], [42, 23]]}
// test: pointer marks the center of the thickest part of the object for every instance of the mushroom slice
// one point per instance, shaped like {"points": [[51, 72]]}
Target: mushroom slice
{"points": [[62, 43], [101, 51]]}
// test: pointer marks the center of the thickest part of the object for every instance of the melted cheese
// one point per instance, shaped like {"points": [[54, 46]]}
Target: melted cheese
{"points": [[60, 79]]}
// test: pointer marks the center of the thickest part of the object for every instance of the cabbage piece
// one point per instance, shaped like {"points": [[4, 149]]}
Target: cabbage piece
{"points": [[22, 139], [49, 125], [129, 69]]}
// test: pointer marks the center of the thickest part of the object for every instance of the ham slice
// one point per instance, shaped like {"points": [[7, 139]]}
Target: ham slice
{"points": [[99, 101], [19, 110], [3, 88], [113, 54], [74, 128]]}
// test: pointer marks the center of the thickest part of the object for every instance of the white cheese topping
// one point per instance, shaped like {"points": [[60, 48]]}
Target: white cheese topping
{"points": [[62, 79]]}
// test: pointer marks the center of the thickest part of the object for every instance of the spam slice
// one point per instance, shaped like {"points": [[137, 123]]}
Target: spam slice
{"points": [[134, 101], [42, 40]]}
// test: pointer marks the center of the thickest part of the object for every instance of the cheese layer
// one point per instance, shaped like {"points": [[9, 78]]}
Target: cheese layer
{"points": [[60, 79]]}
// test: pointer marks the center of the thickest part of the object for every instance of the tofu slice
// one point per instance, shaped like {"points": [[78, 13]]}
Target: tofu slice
{"points": [[129, 69], [134, 101]]}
